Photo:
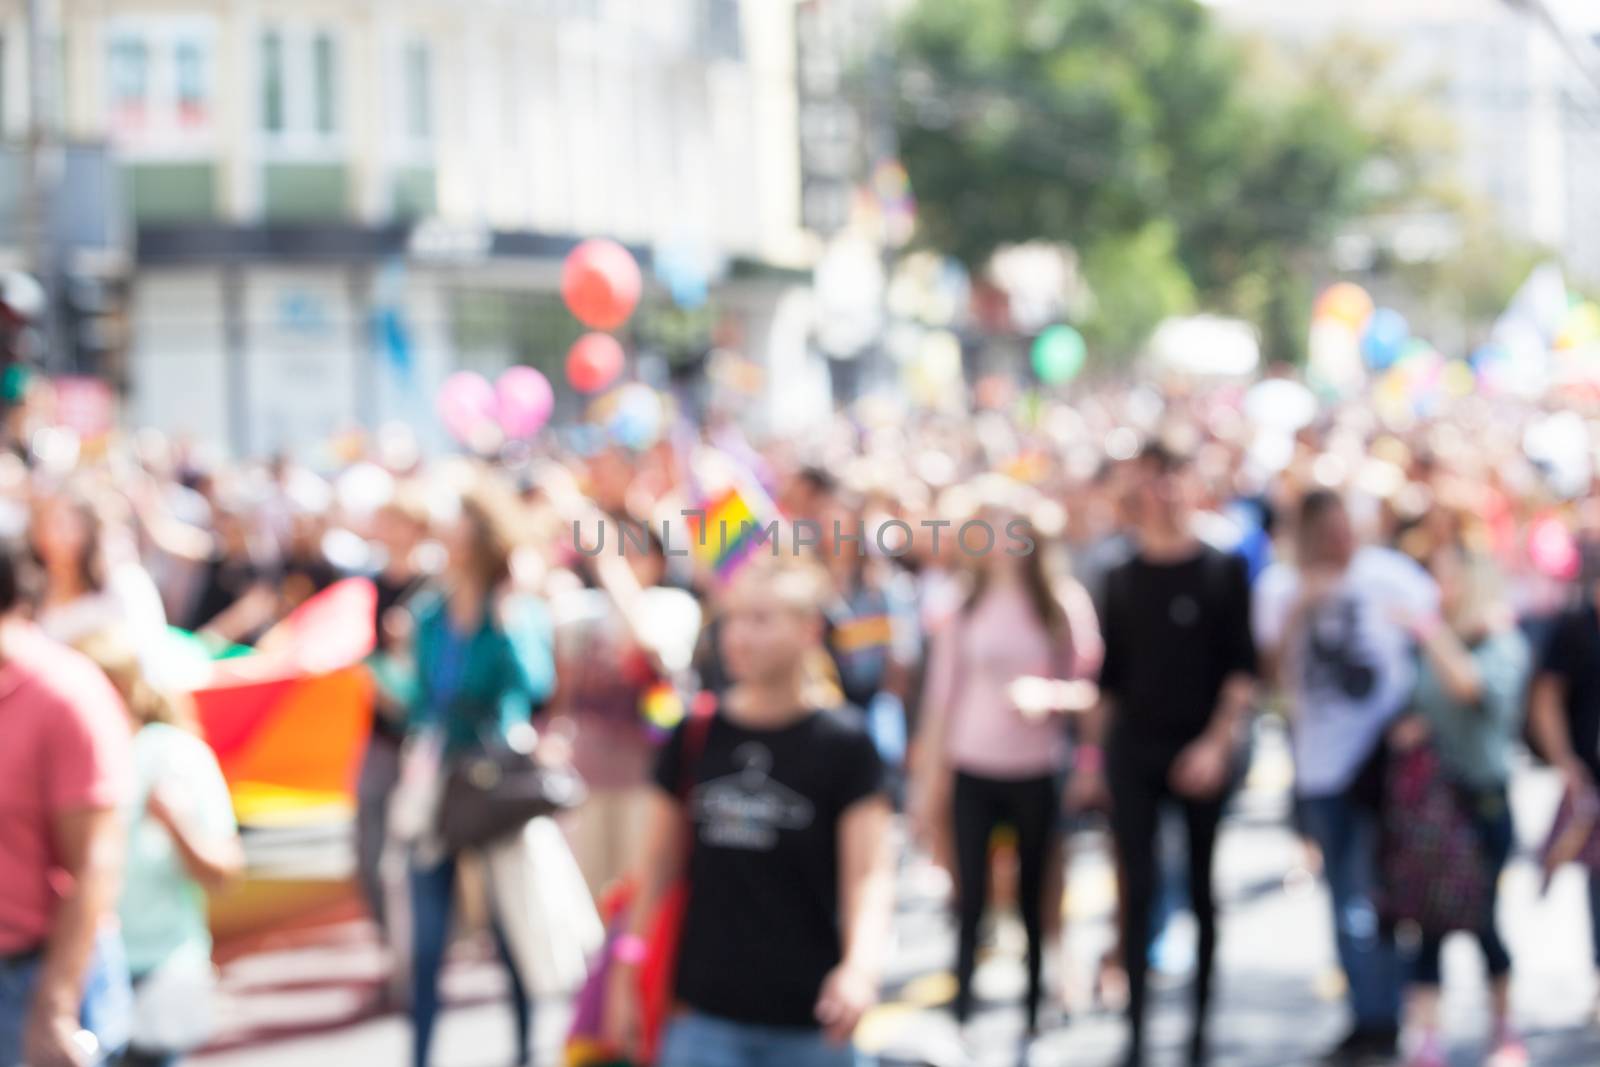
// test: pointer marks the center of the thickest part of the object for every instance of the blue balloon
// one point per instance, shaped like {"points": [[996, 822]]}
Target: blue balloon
{"points": [[636, 422], [1385, 338], [1488, 354], [684, 269]]}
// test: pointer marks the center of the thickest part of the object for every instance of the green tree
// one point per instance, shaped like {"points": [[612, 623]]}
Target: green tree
{"points": [[1140, 134]]}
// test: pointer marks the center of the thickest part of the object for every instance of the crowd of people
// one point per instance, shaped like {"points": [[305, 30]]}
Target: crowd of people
{"points": [[960, 621]]}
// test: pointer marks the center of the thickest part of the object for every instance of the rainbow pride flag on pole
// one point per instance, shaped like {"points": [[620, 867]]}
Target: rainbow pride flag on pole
{"points": [[726, 532]]}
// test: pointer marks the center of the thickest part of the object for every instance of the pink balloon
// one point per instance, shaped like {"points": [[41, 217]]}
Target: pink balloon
{"points": [[1552, 548], [524, 401], [466, 401]]}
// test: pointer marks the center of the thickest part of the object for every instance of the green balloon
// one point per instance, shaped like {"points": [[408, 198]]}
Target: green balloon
{"points": [[1058, 354], [14, 383]]}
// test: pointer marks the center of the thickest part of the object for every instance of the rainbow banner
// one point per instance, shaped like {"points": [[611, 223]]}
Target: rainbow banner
{"points": [[289, 722], [289, 746]]}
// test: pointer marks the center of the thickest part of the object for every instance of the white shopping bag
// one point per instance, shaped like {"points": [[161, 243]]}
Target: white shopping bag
{"points": [[174, 1007], [543, 906], [413, 809]]}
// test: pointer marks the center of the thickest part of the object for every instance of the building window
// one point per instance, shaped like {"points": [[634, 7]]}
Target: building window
{"points": [[720, 34], [130, 74], [419, 92], [189, 60], [273, 109], [324, 74], [300, 88], [159, 84]]}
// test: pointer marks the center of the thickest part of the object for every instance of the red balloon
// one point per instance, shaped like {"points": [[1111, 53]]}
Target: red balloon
{"points": [[600, 283], [593, 362]]}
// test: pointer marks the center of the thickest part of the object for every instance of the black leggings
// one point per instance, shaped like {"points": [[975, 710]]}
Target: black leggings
{"points": [[1030, 806], [1138, 789], [1490, 810]]}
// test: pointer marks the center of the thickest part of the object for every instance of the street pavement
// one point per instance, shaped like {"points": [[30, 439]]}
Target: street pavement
{"points": [[311, 998]]}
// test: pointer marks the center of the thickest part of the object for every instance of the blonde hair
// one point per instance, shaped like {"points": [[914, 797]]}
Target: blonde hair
{"points": [[1482, 607], [409, 504], [801, 585], [113, 651]]}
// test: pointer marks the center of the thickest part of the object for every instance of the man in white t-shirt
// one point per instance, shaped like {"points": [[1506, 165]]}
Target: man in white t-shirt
{"points": [[1331, 626]]}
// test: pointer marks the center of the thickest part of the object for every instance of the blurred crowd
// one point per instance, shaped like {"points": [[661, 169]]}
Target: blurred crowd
{"points": [[1396, 585]]}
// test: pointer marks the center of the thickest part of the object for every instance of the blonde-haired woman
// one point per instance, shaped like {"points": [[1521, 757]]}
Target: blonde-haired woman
{"points": [[775, 808], [1469, 697], [182, 840]]}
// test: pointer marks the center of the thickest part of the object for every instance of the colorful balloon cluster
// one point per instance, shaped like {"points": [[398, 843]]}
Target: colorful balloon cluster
{"points": [[1344, 318], [1351, 338], [600, 284], [517, 406]]}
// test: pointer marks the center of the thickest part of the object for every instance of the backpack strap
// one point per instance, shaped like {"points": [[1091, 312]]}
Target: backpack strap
{"points": [[696, 729]]}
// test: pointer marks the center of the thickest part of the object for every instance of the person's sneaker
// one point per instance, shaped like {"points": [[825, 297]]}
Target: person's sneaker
{"points": [[1428, 1053], [1364, 1048], [1382, 1048], [1508, 1050]]}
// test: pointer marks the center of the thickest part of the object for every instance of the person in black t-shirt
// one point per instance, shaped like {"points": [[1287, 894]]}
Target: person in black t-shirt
{"points": [[1564, 715], [1176, 683], [780, 821]]}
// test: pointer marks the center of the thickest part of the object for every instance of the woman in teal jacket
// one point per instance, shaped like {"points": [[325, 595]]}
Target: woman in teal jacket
{"points": [[483, 664]]}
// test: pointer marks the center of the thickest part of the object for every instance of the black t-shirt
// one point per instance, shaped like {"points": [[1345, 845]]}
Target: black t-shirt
{"points": [[1573, 655], [1173, 634], [304, 576], [226, 580], [392, 593], [762, 926]]}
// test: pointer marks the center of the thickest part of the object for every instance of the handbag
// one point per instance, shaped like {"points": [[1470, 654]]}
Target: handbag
{"points": [[1574, 837], [494, 791], [1431, 857], [543, 907], [658, 973]]}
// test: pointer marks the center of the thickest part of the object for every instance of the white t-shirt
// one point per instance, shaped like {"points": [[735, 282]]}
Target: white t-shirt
{"points": [[162, 909], [1354, 668], [130, 600]]}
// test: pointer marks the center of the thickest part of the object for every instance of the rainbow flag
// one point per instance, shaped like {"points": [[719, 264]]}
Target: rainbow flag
{"points": [[730, 533], [289, 722]]}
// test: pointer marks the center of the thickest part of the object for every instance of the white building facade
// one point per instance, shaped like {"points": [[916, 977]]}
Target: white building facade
{"points": [[335, 203], [1526, 115]]}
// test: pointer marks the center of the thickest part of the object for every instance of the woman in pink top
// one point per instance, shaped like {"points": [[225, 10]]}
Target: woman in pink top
{"points": [[999, 675]]}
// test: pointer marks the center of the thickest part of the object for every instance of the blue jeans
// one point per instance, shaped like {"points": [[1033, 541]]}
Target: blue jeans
{"points": [[107, 999], [1594, 915], [134, 1058], [432, 903], [1347, 834], [696, 1040]]}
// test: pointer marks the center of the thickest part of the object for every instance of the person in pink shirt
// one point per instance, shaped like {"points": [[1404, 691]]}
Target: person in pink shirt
{"points": [[65, 770], [991, 728]]}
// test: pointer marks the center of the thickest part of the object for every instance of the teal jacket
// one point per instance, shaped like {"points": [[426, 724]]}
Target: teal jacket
{"points": [[507, 671], [1475, 742]]}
